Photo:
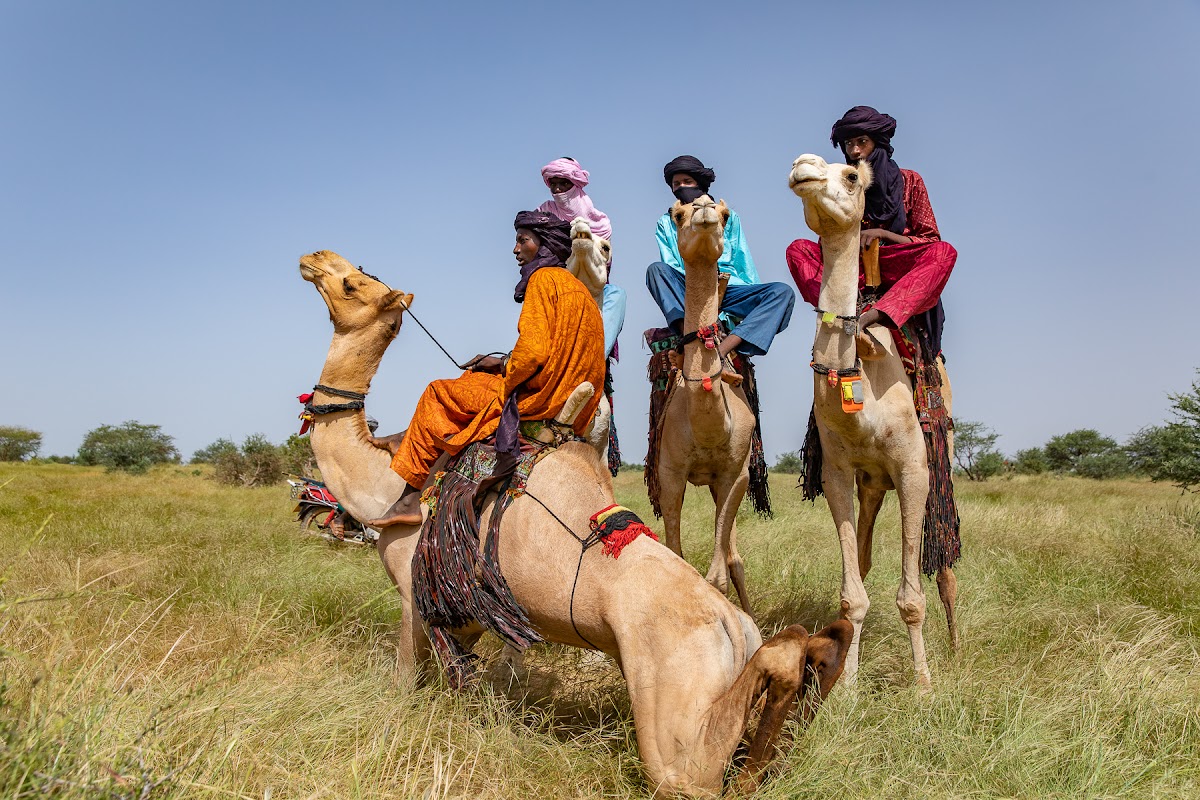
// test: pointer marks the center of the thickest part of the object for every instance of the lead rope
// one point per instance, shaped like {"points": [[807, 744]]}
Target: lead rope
{"points": [[584, 545], [434, 338]]}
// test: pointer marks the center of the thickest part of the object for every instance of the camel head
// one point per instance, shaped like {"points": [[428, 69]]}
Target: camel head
{"points": [[356, 300], [589, 259], [701, 227], [834, 195]]}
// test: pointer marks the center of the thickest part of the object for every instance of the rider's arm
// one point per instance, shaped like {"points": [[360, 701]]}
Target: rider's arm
{"points": [[741, 263], [668, 243], [533, 336]]}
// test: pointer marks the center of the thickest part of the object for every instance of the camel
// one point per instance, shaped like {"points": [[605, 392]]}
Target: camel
{"points": [[588, 262], [707, 424], [880, 447], [695, 665]]}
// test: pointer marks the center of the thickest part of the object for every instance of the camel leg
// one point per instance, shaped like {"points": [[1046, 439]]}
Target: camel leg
{"points": [[869, 503], [396, 546], [839, 492], [670, 500], [727, 561], [947, 585], [913, 488]]}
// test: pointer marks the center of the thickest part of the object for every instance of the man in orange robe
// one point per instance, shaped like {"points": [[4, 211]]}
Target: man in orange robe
{"points": [[560, 344]]}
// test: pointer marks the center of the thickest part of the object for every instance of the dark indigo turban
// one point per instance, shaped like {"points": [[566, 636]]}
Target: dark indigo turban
{"points": [[555, 238], [690, 165], [885, 197], [864, 121]]}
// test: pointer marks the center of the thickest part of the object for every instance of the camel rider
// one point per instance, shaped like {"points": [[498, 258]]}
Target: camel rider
{"points": [[559, 341], [764, 309], [914, 262], [565, 179]]}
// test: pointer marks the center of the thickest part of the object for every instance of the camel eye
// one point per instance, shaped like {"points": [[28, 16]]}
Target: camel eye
{"points": [[853, 177], [678, 217], [347, 286], [605, 248]]}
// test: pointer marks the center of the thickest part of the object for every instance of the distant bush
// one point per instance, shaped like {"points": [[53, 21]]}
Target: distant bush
{"points": [[975, 450], [18, 444], [1103, 466], [256, 463], [989, 464], [788, 463], [210, 454], [297, 456], [131, 447], [1031, 461], [1171, 452], [1063, 453], [628, 467]]}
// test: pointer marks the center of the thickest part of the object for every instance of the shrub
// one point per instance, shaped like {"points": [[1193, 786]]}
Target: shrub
{"points": [[297, 456], [132, 447], [975, 450], [256, 463], [1064, 452], [1031, 461], [210, 454], [18, 444], [1103, 466], [788, 463], [1171, 452]]}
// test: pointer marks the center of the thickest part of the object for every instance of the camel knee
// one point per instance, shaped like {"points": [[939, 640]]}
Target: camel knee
{"points": [[912, 609], [855, 609]]}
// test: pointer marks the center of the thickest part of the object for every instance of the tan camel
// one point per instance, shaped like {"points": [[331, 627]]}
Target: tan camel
{"points": [[880, 447], [694, 664], [588, 262], [707, 424]]}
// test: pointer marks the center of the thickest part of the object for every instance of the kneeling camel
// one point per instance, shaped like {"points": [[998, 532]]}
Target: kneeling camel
{"points": [[695, 666]]}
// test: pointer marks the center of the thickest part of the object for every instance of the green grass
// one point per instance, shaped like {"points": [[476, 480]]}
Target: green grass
{"points": [[163, 636]]}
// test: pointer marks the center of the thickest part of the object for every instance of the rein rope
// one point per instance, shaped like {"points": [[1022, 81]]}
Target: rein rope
{"points": [[585, 544], [432, 338]]}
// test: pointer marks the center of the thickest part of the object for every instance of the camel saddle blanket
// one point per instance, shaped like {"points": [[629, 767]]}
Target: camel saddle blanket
{"points": [[661, 375], [941, 545], [456, 582]]}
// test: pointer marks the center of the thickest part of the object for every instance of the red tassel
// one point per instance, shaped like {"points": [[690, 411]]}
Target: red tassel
{"points": [[707, 384], [615, 542]]}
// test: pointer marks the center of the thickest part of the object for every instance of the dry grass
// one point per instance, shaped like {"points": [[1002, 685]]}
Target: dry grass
{"points": [[162, 636]]}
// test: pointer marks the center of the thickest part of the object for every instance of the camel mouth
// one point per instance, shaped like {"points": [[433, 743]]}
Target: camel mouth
{"points": [[581, 235], [308, 271], [798, 178]]}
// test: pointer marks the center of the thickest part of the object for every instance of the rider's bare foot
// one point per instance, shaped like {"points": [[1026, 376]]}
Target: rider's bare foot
{"points": [[405, 511], [390, 443]]}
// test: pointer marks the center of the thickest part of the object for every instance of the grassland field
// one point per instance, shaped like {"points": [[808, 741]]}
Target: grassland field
{"points": [[165, 636]]}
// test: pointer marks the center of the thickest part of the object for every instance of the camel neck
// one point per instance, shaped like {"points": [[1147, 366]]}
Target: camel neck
{"points": [[701, 306], [358, 473], [833, 346]]}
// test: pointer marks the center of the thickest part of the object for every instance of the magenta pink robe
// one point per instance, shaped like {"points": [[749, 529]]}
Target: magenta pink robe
{"points": [[913, 274]]}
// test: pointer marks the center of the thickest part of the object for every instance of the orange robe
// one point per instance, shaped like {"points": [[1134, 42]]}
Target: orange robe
{"points": [[560, 344]]}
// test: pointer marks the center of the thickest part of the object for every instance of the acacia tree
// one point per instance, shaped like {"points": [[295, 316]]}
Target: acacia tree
{"points": [[1086, 452], [18, 444], [131, 447], [975, 450], [1171, 452]]}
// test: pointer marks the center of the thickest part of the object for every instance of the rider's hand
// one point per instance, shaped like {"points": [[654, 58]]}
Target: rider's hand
{"points": [[873, 316], [871, 234], [483, 363]]}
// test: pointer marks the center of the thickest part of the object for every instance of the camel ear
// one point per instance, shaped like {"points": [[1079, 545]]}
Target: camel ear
{"points": [[724, 211], [823, 664], [395, 298]]}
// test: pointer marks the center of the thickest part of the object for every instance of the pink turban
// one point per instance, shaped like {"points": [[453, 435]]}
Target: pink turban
{"points": [[574, 202]]}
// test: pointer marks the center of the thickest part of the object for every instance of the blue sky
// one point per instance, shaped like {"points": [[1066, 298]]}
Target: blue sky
{"points": [[165, 164]]}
